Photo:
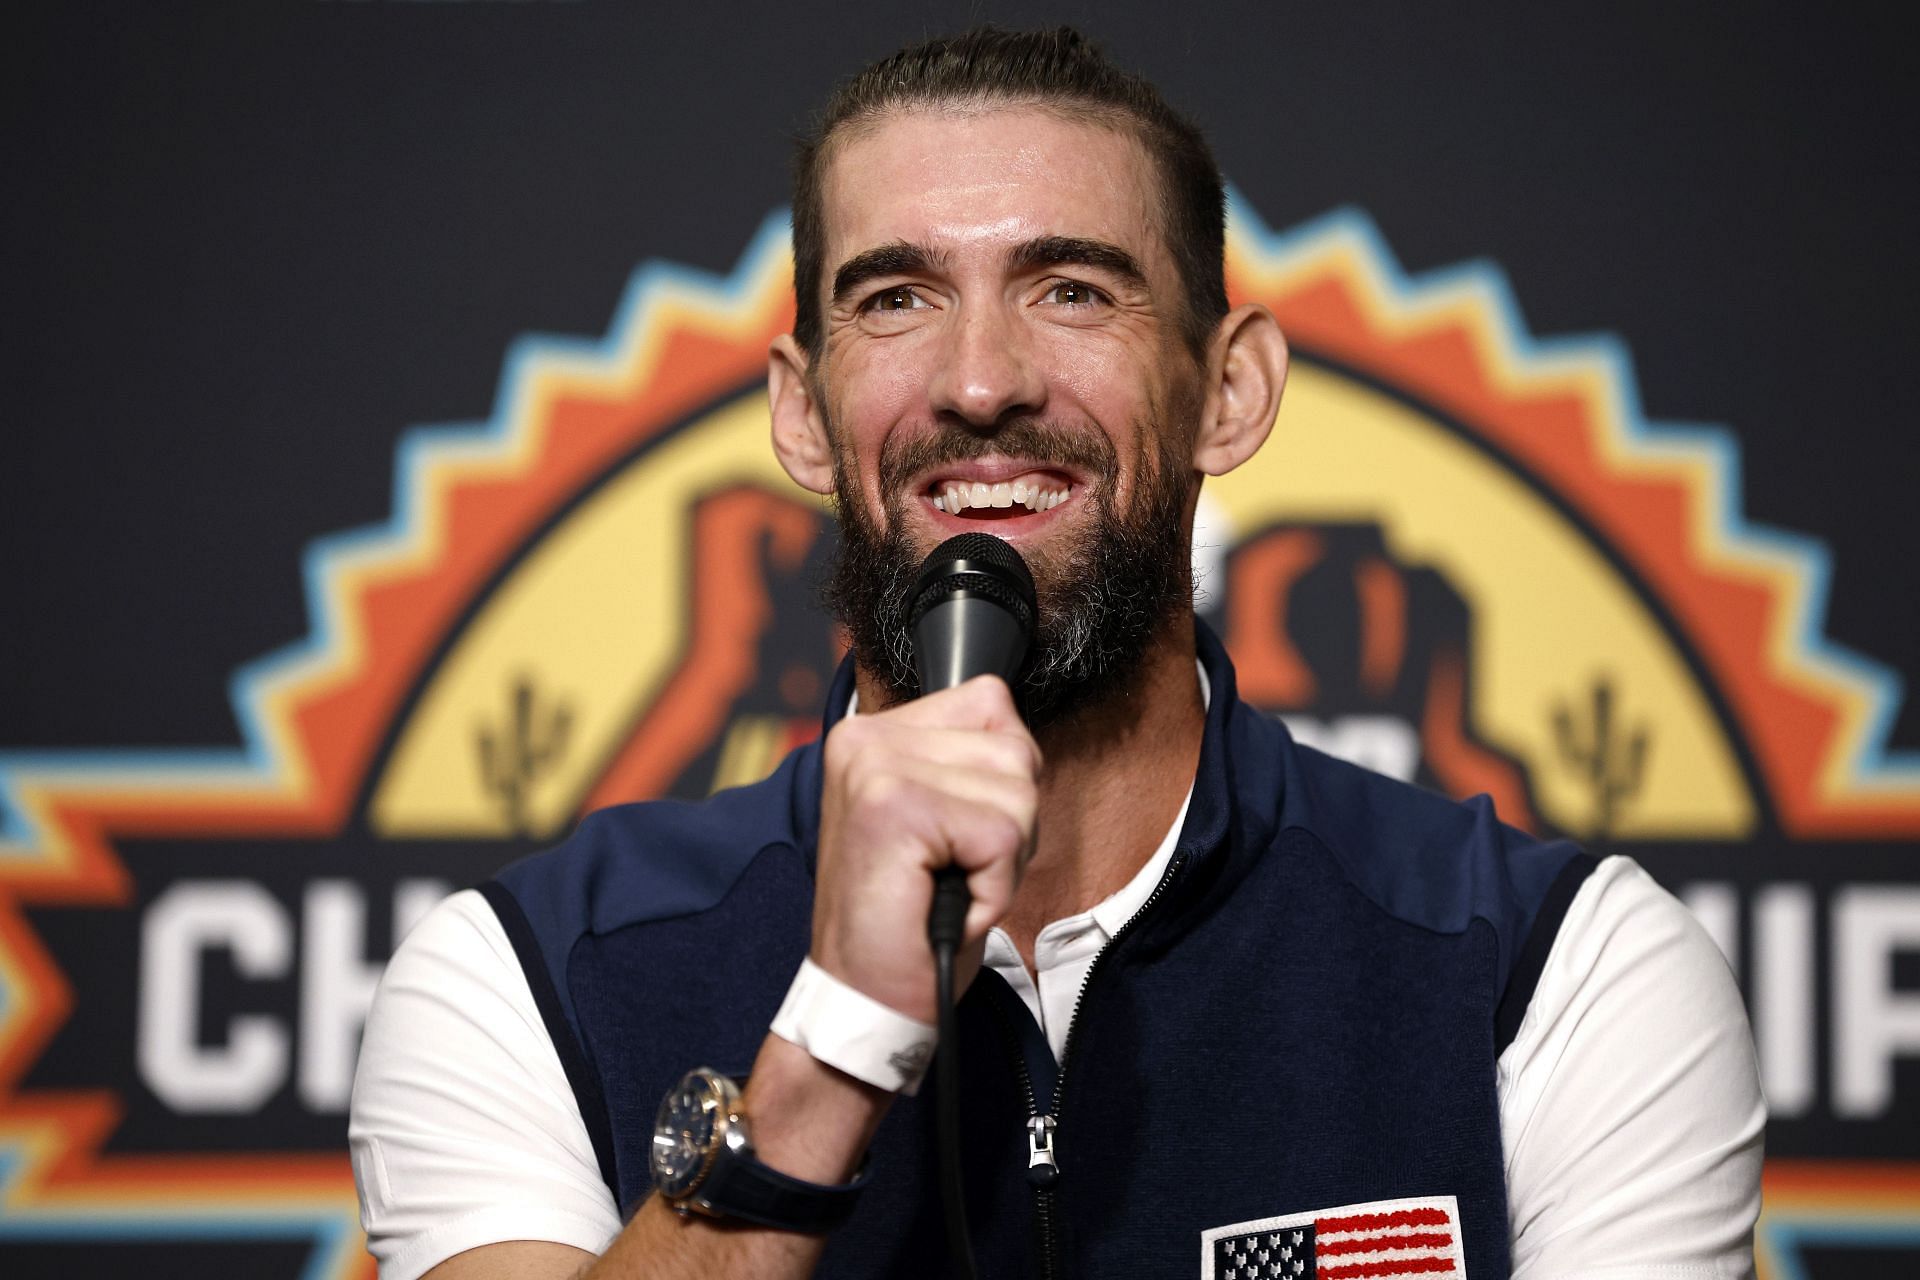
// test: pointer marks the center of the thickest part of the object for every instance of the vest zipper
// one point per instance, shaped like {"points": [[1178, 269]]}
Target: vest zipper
{"points": [[1043, 1170]]}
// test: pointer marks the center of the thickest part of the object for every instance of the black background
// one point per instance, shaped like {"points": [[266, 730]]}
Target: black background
{"points": [[249, 245]]}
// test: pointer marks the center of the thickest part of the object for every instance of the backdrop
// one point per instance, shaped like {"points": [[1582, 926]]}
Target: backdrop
{"points": [[385, 485]]}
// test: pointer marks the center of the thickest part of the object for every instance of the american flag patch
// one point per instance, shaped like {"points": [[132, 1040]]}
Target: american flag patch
{"points": [[1383, 1240]]}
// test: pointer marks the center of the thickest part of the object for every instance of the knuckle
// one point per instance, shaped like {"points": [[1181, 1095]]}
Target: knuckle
{"points": [[1022, 758], [843, 742], [1010, 836], [875, 789], [985, 692], [1027, 807]]}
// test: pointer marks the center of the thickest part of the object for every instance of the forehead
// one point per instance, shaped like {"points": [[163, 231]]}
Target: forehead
{"points": [[961, 179]]}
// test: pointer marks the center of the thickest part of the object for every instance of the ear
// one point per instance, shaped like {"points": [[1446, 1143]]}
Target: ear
{"points": [[1246, 369], [799, 428]]}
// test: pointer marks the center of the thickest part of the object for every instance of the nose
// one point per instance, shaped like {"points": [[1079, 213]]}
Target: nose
{"points": [[988, 370]]}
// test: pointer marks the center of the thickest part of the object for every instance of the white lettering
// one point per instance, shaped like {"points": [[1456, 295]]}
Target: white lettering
{"points": [[1873, 1023], [412, 899], [336, 987], [187, 920], [1717, 907], [1783, 996], [337, 982], [1384, 744]]}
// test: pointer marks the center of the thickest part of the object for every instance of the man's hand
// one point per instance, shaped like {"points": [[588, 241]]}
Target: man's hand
{"points": [[952, 778]]}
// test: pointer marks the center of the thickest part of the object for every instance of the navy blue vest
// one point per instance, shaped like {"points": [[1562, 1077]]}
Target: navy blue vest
{"points": [[1305, 1015]]}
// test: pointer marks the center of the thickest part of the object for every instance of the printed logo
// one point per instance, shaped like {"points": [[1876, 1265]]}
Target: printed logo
{"points": [[1465, 558], [1374, 1241]]}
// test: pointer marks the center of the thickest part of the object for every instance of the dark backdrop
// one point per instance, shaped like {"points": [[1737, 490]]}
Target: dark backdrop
{"points": [[248, 246]]}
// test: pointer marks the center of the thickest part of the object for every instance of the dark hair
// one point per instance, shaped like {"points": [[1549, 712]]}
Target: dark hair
{"points": [[1060, 71]]}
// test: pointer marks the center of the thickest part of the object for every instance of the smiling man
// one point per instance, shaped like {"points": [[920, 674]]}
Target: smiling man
{"points": [[1237, 1008]]}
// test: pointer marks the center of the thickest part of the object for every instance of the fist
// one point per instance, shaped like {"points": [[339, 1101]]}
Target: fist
{"points": [[950, 779]]}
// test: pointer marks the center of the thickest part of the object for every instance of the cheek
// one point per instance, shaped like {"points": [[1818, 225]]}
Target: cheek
{"points": [[876, 397], [878, 384], [1111, 384], [1088, 368]]}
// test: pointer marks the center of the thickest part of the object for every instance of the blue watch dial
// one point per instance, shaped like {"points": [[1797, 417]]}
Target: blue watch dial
{"points": [[703, 1162], [687, 1132]]}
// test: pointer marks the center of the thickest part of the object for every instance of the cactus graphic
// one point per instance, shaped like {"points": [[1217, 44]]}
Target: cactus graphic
{"points": [[1613, 766], [526, 746]]}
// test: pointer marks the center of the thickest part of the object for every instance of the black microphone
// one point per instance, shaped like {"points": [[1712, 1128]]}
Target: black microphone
{"points": [[971, 615], [972, 612]]}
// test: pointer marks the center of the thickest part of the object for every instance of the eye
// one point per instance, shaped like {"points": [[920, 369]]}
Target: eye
{"points": [[900, 299], [1071, 293]]}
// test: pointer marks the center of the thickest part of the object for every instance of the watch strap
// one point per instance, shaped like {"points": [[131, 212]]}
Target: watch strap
{"points": [[740, 1186]]}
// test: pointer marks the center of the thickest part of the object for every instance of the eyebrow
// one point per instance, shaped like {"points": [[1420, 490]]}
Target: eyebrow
{"points": [[902, 257], [1078, 251]]}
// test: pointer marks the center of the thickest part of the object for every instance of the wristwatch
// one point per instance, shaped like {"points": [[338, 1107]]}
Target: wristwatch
{"points": [[703, 1162]]}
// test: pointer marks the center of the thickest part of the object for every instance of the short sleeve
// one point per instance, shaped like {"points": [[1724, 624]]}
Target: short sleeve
{"points": [[463, 1128], [1631, 1111]]}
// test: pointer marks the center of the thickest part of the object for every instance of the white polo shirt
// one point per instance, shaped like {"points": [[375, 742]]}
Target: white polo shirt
{"points": [[1630, 1106]]}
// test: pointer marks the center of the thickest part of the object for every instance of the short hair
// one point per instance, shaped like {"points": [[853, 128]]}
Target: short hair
{"points": [[1059, 71]]}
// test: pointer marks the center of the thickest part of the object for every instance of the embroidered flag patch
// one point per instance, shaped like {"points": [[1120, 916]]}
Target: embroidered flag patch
{"points": [[1383, 1240]]}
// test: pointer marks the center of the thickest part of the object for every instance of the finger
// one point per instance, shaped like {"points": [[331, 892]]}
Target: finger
{"points": [[883, 746], [1010, 795], [964, 816], [983, 702], [993, 887], [985, 834], [991, 841]]}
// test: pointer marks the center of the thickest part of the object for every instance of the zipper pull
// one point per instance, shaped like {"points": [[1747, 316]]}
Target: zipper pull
{"points": [[1042, 1169]]}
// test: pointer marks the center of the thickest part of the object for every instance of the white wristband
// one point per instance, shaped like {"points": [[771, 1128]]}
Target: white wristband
{"points": [[852, 1031]]}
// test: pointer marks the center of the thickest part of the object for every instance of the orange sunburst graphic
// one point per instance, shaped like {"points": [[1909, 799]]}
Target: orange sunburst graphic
{"points": [[382, 602], [1751, 600], [468, 500]]}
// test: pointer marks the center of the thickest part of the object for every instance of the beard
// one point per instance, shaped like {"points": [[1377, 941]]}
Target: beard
{"points": [[1102, 597]]}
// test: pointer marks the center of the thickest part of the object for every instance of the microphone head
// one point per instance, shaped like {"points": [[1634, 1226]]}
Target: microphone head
{"points": [[972, 611], [975, 564]]}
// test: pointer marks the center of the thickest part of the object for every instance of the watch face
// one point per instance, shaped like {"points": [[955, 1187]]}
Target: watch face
{"points": [[686, 1133]]}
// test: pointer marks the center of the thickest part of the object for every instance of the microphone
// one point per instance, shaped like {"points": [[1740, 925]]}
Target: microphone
{"points": [[972, 614]]}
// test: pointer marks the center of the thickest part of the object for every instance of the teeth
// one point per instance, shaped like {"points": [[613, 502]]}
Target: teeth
{"points": [[957, 497]]}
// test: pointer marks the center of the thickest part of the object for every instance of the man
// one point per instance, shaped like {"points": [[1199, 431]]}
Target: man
{"points": [[1236, 1008]]}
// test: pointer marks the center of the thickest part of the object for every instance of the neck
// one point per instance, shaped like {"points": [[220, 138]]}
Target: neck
{"points": [[1115, 778], [1116, 774]]}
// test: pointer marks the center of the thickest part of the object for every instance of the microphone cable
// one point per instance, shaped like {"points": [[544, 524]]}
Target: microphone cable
{"points": [[945, 925]]}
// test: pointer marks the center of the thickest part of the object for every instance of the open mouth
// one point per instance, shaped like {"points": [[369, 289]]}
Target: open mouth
{"points": [[1028, 494]]}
